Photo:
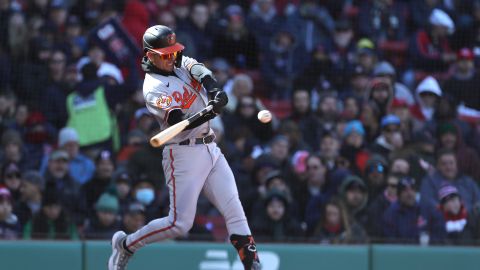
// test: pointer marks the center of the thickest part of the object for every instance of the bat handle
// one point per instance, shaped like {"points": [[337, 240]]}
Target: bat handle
{"points": [[200, 113]]}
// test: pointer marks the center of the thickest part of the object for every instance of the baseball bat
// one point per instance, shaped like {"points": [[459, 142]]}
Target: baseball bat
{"points": [[167, 134]]}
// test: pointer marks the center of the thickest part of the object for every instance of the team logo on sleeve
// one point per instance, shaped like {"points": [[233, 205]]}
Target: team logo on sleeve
{"points": [[164, 101]]}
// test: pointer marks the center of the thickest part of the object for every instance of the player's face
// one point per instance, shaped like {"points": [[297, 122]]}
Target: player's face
{"points": [[165, 62]]}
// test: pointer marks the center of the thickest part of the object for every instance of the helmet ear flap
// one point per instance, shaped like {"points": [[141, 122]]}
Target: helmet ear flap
{"points": [[178, 61]]}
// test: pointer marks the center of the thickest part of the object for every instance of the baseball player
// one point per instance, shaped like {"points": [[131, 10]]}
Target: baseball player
{"points": [[175, 88]]}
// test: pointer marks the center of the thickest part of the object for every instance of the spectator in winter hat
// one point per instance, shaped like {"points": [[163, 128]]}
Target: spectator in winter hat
{"points": [[81, 167], [390, 139], [431, 48], [53, 221], [354, 194], [403, 220], [428, 94], [101, 181], [462, 85], [353, 146], [12, 147], [461, 226], [449, 137], [133, 217], [385, 70], [380, 204], [33, 185], [11, 178], [376, 171], [274, 222], [447, 173], [105, 222], [10, 227]]}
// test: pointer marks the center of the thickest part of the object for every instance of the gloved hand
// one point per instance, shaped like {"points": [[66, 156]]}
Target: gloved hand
{"points": [[219, 101]]}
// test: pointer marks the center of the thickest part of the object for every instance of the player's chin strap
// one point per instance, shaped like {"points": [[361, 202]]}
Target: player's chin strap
{"points": [[247, 250]]}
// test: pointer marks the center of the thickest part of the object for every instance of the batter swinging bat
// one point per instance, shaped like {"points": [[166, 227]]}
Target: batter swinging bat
{"points": [[167, 134]]}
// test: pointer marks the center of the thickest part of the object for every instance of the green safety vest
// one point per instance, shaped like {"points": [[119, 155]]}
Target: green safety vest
{"points": [[90, 117]]}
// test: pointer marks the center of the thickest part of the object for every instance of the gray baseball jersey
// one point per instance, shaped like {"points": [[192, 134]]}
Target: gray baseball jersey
{"points": [[189, 169]]}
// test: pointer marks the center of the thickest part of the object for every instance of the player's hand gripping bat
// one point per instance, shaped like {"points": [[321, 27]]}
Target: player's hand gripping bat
{"points": [[167, 134]]}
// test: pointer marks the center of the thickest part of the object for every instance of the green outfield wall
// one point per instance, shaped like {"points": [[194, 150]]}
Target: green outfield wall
{"points": [[93, 255]]}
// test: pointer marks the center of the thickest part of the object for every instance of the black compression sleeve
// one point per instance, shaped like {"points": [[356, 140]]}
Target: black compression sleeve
{"points": [[175, 116]]}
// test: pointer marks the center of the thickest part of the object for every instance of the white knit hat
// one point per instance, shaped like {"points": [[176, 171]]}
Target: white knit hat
{"points": [[429, 84], [441, 18], [67, 134]]}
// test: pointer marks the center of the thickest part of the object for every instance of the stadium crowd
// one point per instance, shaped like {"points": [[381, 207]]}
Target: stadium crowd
{"points": [[375, 136]]}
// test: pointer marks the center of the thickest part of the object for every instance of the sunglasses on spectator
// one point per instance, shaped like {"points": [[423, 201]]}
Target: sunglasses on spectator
{"points": [[12, 175], [391, 129], [392, 185]]}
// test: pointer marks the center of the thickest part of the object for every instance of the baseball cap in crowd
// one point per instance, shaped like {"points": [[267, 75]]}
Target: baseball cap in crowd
{"points": [[446, 192], [383, 68], [10, 168], [376, 163], [123, 177], [234, 11], [59, 155], [34, 178], [365, 46], [67, 134], [439, 17], [353, 126], [141, 112], [405, 182], [58, 4], [135, 208], [104, 155], [107, 203], [465, 54], [399, 103], [390, 119], [5, 194], [220, 64]]}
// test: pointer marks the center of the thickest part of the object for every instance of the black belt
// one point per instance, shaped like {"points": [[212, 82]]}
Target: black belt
{"points": [[205, 140]]}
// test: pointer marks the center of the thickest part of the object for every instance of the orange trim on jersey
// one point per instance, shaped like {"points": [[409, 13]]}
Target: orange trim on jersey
{"points": [[172, 178]]}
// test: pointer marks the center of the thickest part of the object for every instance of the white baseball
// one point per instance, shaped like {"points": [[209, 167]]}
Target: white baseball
{"points": [[264, 116]]}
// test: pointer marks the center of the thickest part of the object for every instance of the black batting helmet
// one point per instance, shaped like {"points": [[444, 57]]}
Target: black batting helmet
{"points": [[161, 40]]}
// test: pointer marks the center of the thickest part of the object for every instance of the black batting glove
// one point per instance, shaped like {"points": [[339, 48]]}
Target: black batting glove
{"points": [[219, 101]]}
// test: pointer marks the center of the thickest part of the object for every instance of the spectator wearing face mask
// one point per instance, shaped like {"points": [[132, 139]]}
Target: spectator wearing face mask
{"points": [[462, 227], [145, 193]]}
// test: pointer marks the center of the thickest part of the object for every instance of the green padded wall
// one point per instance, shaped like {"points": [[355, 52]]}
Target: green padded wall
{"points": [[396, 257], [32, 255]]}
